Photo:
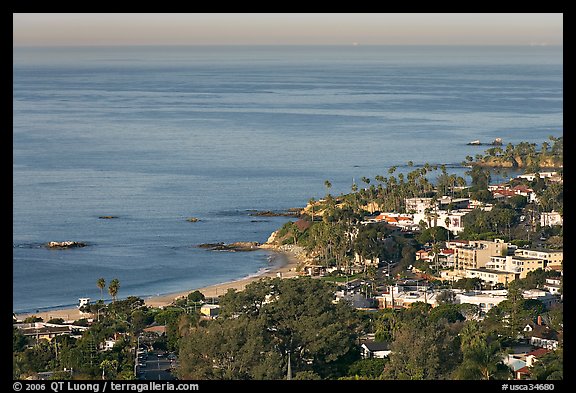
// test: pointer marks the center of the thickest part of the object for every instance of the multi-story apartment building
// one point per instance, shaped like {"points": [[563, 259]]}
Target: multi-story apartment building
{"points": [[477, 253], [492, 276], [550, 257], [515, 264]]}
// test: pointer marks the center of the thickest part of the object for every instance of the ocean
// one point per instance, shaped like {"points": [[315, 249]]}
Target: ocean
{"points": [[155, 135]]}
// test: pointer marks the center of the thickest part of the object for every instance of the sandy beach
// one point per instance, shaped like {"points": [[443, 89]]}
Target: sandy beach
{"points": [[285, 267]]}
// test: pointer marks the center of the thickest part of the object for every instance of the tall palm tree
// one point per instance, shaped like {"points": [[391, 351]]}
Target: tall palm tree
{"points": [[311, 202], [436, 251], [101, 283], [113, 288]]}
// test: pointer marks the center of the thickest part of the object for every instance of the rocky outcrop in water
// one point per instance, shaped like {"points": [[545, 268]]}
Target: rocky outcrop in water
{"points": [[237, 246], [65, 244], [292, 212]]}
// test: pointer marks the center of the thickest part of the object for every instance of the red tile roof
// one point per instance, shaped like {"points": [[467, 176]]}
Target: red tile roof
{"points": [[303, 225], [538, 352], [523, 370]]}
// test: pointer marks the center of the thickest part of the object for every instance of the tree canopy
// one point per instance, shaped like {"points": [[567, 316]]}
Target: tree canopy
{"points": [[259, 326]]}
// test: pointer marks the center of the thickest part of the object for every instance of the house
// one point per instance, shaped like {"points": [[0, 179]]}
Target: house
{"points": [[543, 296], [531, 358], [47, 331], [446, 258], [423, 255], [540, 335], [374, 349], [553, 285], [485, 300], [315, 270], [549, 219], [210, 310], [159, 330], [302, 225], [522, 373], [396, 298], [108, 344]]}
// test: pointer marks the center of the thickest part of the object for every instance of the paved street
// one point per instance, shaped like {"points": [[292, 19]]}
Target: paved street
{"points": [[155, 368]]}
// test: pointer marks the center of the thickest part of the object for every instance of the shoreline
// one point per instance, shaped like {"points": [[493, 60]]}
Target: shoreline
{"points": [[289, 260]]}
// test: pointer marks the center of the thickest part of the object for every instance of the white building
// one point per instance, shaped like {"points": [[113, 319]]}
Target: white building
{"points": [[485, 300], [552, 218], [550, 257], [405, 299], [553, 285], [373, 349]]}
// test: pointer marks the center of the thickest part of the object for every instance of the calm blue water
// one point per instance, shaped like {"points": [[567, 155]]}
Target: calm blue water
{"points": [[154, 135]]}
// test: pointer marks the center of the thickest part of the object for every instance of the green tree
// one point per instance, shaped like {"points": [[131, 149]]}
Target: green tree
{"points": [[19, 341], [109, 368], [471, 335], [483, 361], [101, 283], [113, 288], [260, 325], [449, 312], [549, 367], [386, 325], [328, 186], [423, 350], [196, 297], [370, 368]]}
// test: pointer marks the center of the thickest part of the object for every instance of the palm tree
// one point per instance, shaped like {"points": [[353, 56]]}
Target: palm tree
{"points": [[111, 365], [311, 202], [484, 362], [447, 222], [101, 283], [113, 288], [354, 187], [436, 251]]}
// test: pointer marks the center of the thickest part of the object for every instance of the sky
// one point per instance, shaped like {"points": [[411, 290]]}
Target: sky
{"points": [[48, 29]]}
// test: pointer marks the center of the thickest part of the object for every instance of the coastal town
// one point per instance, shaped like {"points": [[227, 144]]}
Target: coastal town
{"points": [[402, 278]]}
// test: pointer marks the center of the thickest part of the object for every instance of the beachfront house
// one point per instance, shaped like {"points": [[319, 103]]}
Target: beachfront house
{"points": [[47, 331]]}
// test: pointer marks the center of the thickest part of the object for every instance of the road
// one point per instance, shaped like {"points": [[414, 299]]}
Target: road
{"points": [[155, 369]]}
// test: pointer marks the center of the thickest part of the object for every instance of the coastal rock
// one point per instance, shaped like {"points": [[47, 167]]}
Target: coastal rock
{"points": [[65, 244], [293, 212], [192, 219], [272, 238], [236, 246]]}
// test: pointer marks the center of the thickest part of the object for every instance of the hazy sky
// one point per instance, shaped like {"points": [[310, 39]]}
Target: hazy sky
{"points": [[291, 28]]}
